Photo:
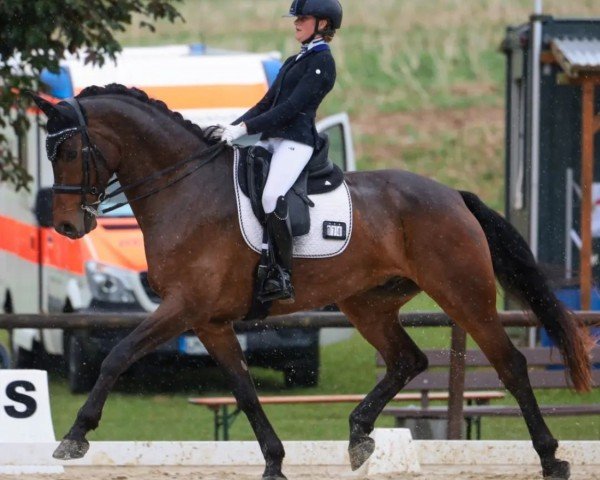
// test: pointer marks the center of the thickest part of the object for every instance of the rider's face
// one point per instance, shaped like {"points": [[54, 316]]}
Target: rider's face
{"points": [[305, 27]]}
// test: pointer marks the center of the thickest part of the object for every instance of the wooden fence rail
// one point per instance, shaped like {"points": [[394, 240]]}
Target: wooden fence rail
{"points": [[513, 318]]}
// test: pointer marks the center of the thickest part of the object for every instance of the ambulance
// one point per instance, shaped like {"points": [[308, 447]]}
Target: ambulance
{"points": [[44, 272]]}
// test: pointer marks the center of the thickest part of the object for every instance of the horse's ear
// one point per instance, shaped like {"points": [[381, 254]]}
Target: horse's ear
{"points": [[44, 105]]}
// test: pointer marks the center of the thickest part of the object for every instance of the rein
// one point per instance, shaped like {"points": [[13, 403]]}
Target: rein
{"points": [[213, 150], [91, 152]]}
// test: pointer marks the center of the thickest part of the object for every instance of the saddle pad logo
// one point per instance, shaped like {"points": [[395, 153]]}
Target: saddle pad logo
{"points": [[334, 230]]}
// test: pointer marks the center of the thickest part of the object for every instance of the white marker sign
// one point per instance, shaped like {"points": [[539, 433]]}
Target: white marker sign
{"points": [[25, 414], [25, 407]]}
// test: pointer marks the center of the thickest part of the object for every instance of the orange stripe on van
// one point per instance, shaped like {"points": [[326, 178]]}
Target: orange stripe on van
{"points": [[119, 242], [21, 239], [62, 252], [183, 97]]}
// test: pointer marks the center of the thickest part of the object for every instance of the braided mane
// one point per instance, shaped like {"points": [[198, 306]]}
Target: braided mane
{"points": [[118, 89]]}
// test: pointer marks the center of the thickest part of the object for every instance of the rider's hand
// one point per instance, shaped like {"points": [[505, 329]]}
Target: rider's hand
{"points": [[231, 133]]}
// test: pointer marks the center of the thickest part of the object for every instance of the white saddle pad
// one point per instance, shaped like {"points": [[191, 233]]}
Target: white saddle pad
{"points": [[331, 215]]}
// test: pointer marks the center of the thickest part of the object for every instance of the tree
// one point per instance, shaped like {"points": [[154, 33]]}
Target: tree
{"points": [[37, 35]]}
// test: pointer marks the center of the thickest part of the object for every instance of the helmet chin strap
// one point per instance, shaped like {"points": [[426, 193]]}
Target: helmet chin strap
{"points": [[315, 33]]}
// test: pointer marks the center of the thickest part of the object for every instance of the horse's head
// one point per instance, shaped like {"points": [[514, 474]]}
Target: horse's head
{"points": [[80, 170]]}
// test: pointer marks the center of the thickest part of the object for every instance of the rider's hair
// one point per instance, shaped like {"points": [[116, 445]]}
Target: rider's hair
{"points": [[328, 32]]}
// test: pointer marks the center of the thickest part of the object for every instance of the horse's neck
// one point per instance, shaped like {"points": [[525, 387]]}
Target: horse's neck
{"points": [[191, 190], [150, 142]]}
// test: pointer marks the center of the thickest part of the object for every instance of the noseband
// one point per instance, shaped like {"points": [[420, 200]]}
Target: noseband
{"points": [[90, 156]]}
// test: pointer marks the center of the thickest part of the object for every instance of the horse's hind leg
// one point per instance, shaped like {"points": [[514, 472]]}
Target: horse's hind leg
{"points": [[375, 316], [224, 348], [466, 291], [166, 322], [512, 370]]}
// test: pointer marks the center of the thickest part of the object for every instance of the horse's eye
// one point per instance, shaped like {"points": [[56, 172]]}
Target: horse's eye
{"points": [[71, 154]]}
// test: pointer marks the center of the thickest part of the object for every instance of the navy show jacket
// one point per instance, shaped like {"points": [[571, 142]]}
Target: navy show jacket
{"points": [[289, 107]]}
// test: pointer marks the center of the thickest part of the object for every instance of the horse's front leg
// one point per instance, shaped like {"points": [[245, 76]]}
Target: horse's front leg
{"points": [[222, 344], [166, 322]]}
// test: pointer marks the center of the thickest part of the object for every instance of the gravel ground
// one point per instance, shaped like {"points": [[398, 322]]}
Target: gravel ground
{"points": [[438, 472]]}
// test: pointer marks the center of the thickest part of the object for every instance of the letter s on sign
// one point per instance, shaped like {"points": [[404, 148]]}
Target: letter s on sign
{"points": [[29, 402]]}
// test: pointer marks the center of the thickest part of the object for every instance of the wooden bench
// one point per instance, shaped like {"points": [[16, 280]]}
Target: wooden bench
{"points": [[545, 371], [223, 418]]}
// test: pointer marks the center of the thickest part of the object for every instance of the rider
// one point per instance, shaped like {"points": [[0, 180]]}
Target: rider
{"points": [[286, 118]]}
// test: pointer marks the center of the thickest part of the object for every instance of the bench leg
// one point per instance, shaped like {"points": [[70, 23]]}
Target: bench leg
{"points": [[223, 421], [469, 421]]}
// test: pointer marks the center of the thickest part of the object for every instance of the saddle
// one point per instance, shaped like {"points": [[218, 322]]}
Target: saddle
{"points": [[320, 175]]}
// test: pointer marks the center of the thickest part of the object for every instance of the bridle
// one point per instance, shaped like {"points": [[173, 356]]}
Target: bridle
{"points": [[92, 156]]}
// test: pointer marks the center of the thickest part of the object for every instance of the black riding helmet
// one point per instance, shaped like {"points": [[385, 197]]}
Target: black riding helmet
{"points": [[320, 9]]}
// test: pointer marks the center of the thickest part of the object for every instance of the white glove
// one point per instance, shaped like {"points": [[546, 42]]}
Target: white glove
{"points": [[233, 132]]}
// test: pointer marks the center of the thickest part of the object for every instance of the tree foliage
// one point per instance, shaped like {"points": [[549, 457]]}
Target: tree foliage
{"points": [[36, 35]]}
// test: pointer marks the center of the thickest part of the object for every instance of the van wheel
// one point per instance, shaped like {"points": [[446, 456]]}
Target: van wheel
{"points": [[82, 372], [302, 374], [25, 359]]}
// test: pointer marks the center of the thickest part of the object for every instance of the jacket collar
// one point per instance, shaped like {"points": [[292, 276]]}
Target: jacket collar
{"points": [[317, 48]]}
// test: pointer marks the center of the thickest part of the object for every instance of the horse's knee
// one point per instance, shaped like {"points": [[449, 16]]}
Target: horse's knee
{"points": [[116, 360]]}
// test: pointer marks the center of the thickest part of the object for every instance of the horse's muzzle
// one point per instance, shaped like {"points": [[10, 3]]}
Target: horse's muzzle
{"points": [[69, 230]]}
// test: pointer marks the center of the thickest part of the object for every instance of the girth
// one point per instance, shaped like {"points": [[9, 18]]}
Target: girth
{"points": [[320, 175]]}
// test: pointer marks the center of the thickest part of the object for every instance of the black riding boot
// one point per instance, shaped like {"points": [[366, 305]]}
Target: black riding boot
{"points": [[278, 284]]}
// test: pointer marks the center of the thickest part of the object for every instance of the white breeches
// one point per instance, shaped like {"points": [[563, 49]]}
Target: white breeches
{"points": [[289, 159]]}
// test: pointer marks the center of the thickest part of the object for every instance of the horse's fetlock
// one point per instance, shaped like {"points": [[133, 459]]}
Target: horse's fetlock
{"points": [[274, 452], [87, 419], [546, 448], [359, 425]]}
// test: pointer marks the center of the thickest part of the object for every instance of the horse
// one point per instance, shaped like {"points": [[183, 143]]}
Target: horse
{"points": [[410, 234]]}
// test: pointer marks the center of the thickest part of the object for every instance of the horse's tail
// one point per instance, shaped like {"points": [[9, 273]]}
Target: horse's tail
{"points": [[518, 273]]}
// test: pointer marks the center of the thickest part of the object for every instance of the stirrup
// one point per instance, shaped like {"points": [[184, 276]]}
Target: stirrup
{"points": [[277, 286]]}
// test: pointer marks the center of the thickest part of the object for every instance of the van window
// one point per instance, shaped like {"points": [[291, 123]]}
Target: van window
{"points": [[337, 149], [124, 211]]}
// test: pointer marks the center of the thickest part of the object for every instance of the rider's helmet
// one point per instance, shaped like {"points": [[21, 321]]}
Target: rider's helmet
{"points": [[320, 9]]}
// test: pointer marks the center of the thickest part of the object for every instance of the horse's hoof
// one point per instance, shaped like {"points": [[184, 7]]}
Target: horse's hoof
{"points": [[274, 477], [557, 470], [361, 452], [71, 449]]}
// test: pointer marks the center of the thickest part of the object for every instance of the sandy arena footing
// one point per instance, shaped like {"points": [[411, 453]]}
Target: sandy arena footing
{"points": [[396, 456], [437, 472]]}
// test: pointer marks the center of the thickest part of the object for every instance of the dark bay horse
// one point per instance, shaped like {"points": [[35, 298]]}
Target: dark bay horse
{"points": [[410, 234]]}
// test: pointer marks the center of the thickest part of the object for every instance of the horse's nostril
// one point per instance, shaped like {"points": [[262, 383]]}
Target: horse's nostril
{"points": [[67, 229]]}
